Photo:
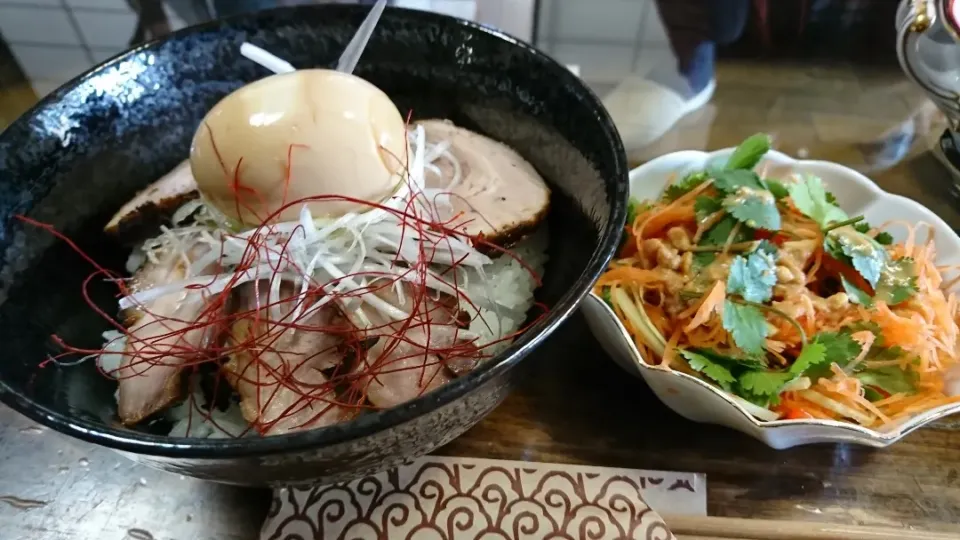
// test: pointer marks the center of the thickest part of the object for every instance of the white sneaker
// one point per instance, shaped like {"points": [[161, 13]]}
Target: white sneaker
{"points": [[645, 110]]}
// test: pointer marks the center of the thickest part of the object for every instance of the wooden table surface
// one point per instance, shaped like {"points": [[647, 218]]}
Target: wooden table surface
{"points": [[576, 408], [575, 405]]}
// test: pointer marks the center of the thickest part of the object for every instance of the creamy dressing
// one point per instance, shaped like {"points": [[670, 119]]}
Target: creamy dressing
{"points": [[856, 242], [746, 194]]}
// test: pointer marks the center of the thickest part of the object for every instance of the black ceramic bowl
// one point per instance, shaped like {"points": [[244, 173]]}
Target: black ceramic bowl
{"points": [[78, 155]]}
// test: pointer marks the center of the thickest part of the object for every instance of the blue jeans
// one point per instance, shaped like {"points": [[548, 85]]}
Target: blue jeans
{"points": [[695, 28]]}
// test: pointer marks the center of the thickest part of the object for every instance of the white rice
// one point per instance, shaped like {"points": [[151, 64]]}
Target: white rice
{"points": [[109, 360], [506, 295], [192, 419]]}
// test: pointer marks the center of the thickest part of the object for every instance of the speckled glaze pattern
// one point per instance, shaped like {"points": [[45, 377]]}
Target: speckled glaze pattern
{"points": [[87, 148]]}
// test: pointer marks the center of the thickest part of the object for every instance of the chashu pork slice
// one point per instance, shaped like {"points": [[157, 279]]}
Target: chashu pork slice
{"points": [[164, 334], [411, 358], [149, 207], [499, 196], [400, 368], [277, 368]]}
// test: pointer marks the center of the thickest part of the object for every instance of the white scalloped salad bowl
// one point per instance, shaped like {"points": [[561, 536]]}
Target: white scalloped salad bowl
{"points": [[699, 401]]}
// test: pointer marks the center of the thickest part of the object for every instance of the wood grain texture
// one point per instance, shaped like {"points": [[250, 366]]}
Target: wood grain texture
{"points": [[764, 529], [575, 405]]}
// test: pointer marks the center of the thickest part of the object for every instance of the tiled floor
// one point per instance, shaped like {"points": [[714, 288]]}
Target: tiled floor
{"points": [[55, 40]]}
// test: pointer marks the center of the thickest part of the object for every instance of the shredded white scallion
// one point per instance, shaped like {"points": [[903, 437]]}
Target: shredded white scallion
{"points": [[311, 251], [265, 59]]}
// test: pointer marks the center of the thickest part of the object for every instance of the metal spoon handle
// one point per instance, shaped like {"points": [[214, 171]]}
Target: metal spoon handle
{"points": [[351, 55]]}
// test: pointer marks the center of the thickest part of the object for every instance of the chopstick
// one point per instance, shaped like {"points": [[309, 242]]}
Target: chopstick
{"points": [[688, 537], [351, 55], [717, 528]]}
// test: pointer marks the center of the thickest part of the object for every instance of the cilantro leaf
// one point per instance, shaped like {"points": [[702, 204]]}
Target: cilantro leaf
{"points": [[705, 206], [864, 253], [860, 326], [717, 236], [733, 363], [897, 283], [605, 295], [716, 372], [868, 326], [730, 181], [748, 362], [887, 353], [753, 277], [839, 347], [684, 186], [813, 354], [747, 326], [767, 248], [633, 208], [884, 238], [777, 188], [811, 199], [764, 383], [831, 246], [856, 294], [749, 152], [703, 259], [719, 233], [890, 379], [756, 208], [867, 264]]}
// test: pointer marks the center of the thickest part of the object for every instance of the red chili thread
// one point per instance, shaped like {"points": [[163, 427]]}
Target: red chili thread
{"points": [[263, 332]]}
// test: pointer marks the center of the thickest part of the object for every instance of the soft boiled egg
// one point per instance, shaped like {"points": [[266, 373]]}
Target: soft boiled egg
{"points": [[307, 133]]}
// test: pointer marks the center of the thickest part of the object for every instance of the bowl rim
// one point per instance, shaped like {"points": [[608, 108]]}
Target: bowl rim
{"points": [[686, 158], [377, 421]]}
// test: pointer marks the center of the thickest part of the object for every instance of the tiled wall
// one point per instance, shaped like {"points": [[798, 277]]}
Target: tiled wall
{"points": [[55, 40], [606, 38]]}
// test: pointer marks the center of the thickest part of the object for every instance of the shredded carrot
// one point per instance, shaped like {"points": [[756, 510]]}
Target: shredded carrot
{"points": [[629, 274], [671, 349], [712, 303], [658, 222], [684, 304], [897, 330]]}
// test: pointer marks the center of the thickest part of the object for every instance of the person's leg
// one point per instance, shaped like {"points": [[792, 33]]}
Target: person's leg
{"points": [[646, 107], [695, 28], [190, 12], [225, 8], [151, 20], [728, 19], [689, 30]]}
